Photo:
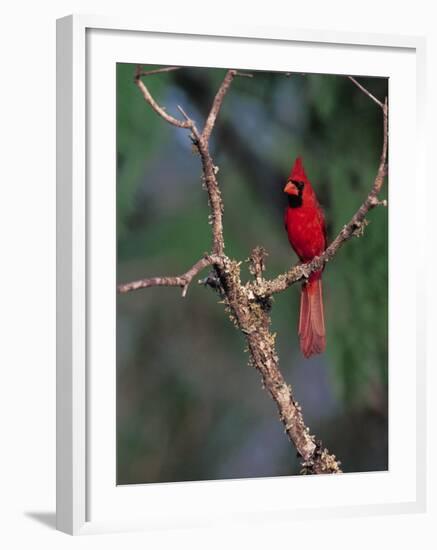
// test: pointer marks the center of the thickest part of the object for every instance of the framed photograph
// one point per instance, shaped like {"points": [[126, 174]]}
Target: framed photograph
{"points": [[235, 321]]}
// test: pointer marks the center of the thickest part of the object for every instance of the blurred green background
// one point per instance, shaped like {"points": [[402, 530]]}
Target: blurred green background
{"points": [[188, 406]]}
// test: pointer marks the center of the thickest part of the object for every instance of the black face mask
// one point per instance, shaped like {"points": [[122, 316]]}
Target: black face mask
{"points": [[295, 201]]}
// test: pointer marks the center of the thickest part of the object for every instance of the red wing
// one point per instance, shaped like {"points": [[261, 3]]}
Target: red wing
{"points": [[322, 222]]}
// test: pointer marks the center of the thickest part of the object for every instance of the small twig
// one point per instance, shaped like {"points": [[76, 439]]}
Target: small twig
{"points": [[257, 264], [182, 281], [187, 123], [246, 75], [363, 89], [217, 103], [377, 202], [139, 73], [184, 114]]}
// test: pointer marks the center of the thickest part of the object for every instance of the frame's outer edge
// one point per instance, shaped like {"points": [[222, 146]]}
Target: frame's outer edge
{"points": [[249, 31], [70, 285], [422, 466], [71, 437]]}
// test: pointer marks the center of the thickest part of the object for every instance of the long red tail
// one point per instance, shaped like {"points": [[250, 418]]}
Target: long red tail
{"points": [[312, 333]]}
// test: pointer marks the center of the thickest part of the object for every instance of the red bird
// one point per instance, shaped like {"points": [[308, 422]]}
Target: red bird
{"points": [[305, 226]]}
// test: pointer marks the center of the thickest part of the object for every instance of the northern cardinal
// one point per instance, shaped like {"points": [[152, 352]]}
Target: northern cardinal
{"points": [[305, 226]]}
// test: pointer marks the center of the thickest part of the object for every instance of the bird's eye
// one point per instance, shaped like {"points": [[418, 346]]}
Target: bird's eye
{"points": [[298, 184]]}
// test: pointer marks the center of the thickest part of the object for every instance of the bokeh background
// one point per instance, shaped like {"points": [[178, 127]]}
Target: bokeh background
{"points": [[188, 406]]}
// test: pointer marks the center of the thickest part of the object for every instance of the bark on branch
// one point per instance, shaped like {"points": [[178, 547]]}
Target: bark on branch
{"points": [[248, 306]]}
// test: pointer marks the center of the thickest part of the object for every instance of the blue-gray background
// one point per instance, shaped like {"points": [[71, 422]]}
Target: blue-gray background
{"points": [[188, 406]]}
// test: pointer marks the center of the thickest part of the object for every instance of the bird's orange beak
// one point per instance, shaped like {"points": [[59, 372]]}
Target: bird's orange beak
{"points": [[291, 189]]}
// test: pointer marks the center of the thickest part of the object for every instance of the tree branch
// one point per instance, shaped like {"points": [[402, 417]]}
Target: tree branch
{"points": [[214, 195], [252, 318], [201, 142], [182, 281], [210, 171], [155, 106], [363, 89], [217, 103], [139, 72]]}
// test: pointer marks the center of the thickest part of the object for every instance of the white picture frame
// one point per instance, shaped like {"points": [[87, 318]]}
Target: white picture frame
{"points": [[86, 502]]}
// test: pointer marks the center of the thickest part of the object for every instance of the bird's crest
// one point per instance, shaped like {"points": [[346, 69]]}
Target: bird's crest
{"points": [[298, 172]]}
